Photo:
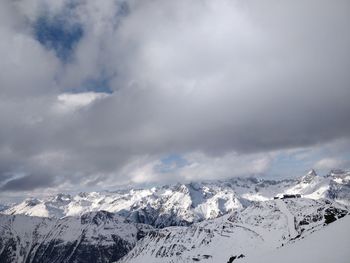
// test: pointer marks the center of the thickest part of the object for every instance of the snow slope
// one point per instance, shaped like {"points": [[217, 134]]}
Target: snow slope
{"points": [[330, 244], [259, 227], [291, 222]]}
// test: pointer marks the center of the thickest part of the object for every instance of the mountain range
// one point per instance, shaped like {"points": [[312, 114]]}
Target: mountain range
{"points": [[214, 221]]}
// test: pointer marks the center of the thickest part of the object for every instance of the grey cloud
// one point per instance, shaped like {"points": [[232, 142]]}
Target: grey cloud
{"points": [[28, 182], [203, 76], [4, 176]]}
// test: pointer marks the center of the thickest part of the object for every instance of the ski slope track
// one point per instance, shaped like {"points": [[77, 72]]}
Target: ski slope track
{"points": [[291, 221]]}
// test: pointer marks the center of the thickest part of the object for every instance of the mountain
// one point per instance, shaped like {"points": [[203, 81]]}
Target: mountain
{"points": [[93, 237], [216, 221], [261, 226], [105, 237], [184, 204], [160, 207], [3, 207]]}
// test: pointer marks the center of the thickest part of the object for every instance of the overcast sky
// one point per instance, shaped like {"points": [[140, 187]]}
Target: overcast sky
{"points": [[96, 94]]}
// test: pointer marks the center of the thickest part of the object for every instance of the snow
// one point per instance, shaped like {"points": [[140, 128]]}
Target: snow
{"points": [[202, 240], [96, 228], [187, 203], [255, 197], [319, 193], [224, 219], [290, 218], [263, 226], [330, 244], [314, 187]]}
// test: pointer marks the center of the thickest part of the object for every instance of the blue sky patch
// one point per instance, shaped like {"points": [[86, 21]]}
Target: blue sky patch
{"points": [[171, 163], [99, 84], [59, 34]]}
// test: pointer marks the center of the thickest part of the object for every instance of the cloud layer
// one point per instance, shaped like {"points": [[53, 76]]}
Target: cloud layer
{"points": [[229, 86]]}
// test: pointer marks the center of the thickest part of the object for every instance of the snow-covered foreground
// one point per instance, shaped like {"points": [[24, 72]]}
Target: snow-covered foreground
{"points": [[331, 244], [263, 226]]}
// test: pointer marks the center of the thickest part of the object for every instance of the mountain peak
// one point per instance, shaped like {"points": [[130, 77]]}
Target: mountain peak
{"points": [[97, 217], [312, 172], [310, 176], [32, 201]]}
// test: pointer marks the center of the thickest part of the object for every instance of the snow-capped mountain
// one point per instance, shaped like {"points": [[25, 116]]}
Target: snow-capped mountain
{"points": [[218, 221], [106, 237], [93, 237], [3, 207], [184, 204], [259, 227], [161, 207]]}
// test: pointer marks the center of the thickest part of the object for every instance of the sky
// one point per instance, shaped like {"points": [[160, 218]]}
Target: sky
{"points": [[98, 94]]}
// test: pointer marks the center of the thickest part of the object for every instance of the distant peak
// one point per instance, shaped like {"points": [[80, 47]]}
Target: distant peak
{"points": [[312, 172], [63, 197], [309, 176], [32, 201], [181, 188], [337, 172], [96, 217]]}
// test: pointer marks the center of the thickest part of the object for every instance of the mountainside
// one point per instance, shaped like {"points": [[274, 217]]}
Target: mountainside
{"points": [[259, 227], [330, 244], [219, 221], [105, 237], [93, 237]]}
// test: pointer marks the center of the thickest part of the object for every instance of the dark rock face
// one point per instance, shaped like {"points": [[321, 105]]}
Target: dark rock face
{"points": [[231, 259], [79, 252], [153, 217], [7, 254], [332, 214], [323, 215], [94, 237]]}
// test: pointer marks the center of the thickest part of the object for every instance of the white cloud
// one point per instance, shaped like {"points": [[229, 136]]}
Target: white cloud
{"points": [[68, 102], [329, 163], [229, 165], [197, 167]]}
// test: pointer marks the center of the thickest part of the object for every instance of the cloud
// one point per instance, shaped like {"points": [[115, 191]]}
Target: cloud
{"points": [[202, 167], [195, 166], [223, 84], [331, 163], [241, 84], [28, 182], [67, 102]]}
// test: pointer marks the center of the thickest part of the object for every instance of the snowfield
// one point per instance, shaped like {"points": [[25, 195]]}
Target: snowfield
{"points": [[330, 244]]}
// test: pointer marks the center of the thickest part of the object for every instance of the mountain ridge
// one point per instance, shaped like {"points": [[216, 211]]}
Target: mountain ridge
{"points": [[184, 204]]}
